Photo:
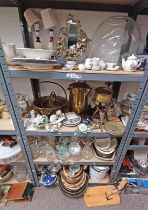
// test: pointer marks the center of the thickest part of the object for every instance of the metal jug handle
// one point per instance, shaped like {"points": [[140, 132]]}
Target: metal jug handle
{"points": [[57, 85]]}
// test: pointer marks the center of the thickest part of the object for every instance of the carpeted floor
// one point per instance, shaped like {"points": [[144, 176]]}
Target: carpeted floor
{"points": [[53, 199]]}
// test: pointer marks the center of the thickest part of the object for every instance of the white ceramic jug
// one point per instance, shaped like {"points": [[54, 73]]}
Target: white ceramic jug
{"points": [[9, 50]]}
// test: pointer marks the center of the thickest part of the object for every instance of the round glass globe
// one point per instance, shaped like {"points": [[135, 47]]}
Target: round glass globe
{"points": [[116, 37]]}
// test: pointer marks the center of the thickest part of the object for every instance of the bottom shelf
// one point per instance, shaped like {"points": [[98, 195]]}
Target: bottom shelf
{"points": [[90, 182]]}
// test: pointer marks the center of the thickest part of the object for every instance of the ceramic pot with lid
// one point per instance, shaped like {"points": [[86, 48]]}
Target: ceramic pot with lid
{"points": [[98, 172]]}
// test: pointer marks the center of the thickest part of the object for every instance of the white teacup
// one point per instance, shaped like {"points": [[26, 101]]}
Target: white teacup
{"points": [[81, 67], [111, 65], [95, 63], [70, 65], [88, 66], [96, 68], [88, 61], [96, 59]]}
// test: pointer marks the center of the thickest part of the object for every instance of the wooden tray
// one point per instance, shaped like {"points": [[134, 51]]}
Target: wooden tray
{"points": [[95, 196]]}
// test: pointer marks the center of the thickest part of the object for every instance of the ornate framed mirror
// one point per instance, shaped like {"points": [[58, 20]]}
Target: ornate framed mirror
{"points": [[71, 42]]}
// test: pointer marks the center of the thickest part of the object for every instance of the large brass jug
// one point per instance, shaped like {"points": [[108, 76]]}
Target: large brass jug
{"points": [[78, 97]]}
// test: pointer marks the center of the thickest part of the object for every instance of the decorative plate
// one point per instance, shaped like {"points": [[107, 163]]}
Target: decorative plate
{"points": [[114, 128], [72, 119]]}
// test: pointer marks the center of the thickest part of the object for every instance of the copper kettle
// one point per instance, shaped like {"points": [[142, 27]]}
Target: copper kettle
{"points": [[78, 100]]}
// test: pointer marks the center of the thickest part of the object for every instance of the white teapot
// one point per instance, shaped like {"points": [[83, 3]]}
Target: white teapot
{"points": [[131, 64]]}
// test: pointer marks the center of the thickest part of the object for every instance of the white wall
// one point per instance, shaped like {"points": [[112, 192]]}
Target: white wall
{"points": [[10, 31]]}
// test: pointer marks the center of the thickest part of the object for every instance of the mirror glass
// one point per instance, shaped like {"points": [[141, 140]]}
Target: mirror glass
{"points": [[71, 42]]}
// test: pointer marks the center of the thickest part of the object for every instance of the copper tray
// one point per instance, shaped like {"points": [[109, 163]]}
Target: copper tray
{"points": [[73, 193], [77, 185], [70, 180]]}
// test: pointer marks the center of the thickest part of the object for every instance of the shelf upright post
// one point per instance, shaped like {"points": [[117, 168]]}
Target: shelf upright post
{"points": [[10, 97], [141, 98]]}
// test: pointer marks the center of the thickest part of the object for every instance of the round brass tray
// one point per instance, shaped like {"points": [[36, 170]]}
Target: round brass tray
{"points": [[77, 185], [70, 180], [73, 193], [114, 128]]}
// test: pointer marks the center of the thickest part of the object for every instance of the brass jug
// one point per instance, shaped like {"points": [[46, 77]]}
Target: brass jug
{"points": [[78, 100]]}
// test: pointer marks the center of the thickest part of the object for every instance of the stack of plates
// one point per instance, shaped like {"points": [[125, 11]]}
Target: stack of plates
{"points": [[8, 154], [5, 173], [105, 148], [73, 181], [37, 64], [72, 119]]}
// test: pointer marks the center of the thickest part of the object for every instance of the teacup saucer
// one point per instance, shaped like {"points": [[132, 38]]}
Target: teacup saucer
{"points": [[116, 68]]}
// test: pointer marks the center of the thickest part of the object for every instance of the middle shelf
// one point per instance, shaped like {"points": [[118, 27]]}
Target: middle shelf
{"points": [[92, 161]]}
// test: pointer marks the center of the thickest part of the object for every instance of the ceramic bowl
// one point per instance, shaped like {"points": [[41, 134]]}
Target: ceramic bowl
{"points": [[48, 179], [35, 53], [104, 154], [102, 143]]}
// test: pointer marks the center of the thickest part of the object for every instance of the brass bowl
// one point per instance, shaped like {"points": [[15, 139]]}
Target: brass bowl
{"points": [[41, 105], [102, 95], [77, 185], [73, 193]]}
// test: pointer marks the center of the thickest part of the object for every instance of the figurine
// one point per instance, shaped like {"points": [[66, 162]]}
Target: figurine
{"points": [[23, 102]]}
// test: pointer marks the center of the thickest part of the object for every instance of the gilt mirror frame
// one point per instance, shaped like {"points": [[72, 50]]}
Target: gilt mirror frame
{"points": [[70, 46]]}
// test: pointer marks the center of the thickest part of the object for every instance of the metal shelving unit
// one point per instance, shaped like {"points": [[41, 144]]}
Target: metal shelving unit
{"points": [[120, 76], [142, 79]]}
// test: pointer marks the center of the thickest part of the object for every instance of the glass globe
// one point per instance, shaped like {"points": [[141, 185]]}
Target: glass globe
{"points": [[116, 37]]}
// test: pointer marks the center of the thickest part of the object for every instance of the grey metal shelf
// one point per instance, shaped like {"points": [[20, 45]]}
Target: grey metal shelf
{"points": [[138, 147], [8, 132], [77, 75], [141, 134], [66, 133], [89, 163]]}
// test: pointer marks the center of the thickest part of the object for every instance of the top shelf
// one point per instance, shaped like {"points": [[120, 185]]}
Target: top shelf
{"points": [[119, 75]]}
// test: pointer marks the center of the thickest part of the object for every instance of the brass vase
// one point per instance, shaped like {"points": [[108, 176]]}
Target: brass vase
{"points": [[78, 97]]}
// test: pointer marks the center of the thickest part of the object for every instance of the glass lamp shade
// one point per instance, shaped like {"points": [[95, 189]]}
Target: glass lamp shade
{"points": [[116, 37]]}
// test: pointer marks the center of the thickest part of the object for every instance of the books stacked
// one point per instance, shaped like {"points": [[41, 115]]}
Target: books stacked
{"points": [[21, 192]]}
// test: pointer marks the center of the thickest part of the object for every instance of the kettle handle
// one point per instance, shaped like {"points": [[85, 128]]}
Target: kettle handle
{"points": [[55, 84], [139, 63]]}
